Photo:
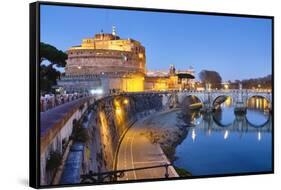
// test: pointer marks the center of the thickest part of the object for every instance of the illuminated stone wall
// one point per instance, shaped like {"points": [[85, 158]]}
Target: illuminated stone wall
{"points": [[161, 83], [90, 62], [133, 83], [106, 82], [113, 116], [156, 83]]}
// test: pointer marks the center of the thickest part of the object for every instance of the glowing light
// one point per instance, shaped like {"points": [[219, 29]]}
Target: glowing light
{"points": [[133, 84], [209, 132], [116, 103], [96, 91], [228, 101], [226, 86], [193, 135], [200, 89], [226, 134], [126, 101], [118, 111], [259, 136], [257, 103], [79, 67], [160, 85], [103, 120]]}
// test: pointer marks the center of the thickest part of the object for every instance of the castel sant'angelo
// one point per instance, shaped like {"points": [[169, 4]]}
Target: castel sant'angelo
{"points": [[111, 64]]}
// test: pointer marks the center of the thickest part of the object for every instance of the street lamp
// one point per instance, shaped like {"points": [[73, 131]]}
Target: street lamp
{"points": [[226, 86], [126, 101]]}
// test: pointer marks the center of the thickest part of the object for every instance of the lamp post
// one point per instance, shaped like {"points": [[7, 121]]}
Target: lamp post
{"points": [[126, 101], [226, 86]]}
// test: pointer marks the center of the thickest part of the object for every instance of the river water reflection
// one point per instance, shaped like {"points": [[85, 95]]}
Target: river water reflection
{"points": [[223, 143]]}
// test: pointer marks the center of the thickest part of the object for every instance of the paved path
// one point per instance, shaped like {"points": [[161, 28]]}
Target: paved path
{"points": [[137, 151]]}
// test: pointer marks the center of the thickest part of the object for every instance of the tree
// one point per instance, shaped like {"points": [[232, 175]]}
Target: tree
{"points": [[48, 77], [48, 74], [262, 82], [211, 77], [53, 55]]}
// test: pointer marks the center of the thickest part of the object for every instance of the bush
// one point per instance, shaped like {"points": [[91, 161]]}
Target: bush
{"points": [[54, 160]]}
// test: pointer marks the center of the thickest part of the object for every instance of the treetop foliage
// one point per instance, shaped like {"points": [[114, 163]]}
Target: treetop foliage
{"points": [[212, 77], [52, 54], [48, 74]]}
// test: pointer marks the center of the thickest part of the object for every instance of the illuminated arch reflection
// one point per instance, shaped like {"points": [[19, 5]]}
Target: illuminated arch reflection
{"points": [[196, 118], [223, 115], [257, 111], [193, 102]]}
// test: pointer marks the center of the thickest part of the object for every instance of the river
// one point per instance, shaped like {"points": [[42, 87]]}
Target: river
{"points": [[223, 143]]}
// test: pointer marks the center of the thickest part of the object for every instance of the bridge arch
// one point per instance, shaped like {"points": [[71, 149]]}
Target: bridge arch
{"points": [[190, 97], [229, 98], [259, 96], [239, 98]]}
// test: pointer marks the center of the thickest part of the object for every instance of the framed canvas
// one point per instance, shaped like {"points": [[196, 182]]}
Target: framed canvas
{"points": [[122, 94]]}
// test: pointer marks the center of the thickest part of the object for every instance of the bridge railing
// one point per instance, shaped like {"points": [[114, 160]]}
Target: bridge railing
{"points": [[200, 91], [50, 101]]}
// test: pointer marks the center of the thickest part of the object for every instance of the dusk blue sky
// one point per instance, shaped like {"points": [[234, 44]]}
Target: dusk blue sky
{"points": [[236, 47]]}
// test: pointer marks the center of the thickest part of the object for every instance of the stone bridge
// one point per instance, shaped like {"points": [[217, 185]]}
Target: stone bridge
{"points": [[239, 97]]}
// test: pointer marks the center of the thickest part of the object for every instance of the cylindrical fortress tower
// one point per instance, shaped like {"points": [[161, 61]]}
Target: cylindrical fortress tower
{"points": [[106, 53], [105, 62]]}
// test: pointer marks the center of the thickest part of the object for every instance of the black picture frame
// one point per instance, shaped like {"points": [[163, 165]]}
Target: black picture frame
{"points": [[34, 84]]}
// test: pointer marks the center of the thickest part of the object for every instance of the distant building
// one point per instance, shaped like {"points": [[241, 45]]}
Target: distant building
{"points": [[111, 64], [170, 80]]}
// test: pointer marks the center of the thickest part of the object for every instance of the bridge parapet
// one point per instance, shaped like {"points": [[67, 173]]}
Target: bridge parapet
{"points": [[56, 126]]}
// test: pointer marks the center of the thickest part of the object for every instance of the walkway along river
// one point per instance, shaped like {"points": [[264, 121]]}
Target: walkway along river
{"points": [[211, 144], [137, 151]]}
